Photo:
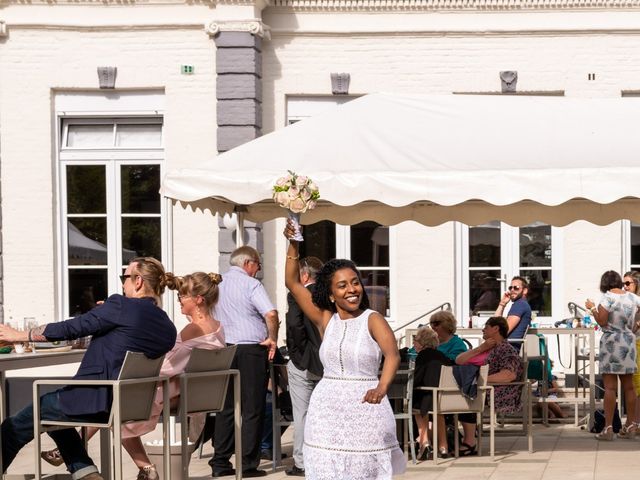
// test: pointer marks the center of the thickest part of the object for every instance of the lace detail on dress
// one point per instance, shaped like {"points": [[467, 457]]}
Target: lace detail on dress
{"points": [[345, 438]]}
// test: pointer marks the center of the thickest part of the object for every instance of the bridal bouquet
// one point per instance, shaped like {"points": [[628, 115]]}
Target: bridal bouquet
{"points": [[298, 194]]}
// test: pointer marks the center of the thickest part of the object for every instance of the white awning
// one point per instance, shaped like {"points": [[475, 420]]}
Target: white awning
{"points": [[432, 159]]}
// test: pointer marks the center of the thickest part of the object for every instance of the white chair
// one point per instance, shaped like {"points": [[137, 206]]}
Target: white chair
{"points": [[133, 395], [526, 405], [203, 389], [448, 399]]}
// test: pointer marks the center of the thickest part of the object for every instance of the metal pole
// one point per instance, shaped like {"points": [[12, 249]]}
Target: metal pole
{"points": [[240, 229]]}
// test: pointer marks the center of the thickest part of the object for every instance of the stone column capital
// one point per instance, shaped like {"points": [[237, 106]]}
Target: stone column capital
{"points": [[253, 26]]}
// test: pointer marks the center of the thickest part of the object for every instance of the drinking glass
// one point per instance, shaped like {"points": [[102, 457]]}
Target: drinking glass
{"points": [[29, 323], [18, 347]]}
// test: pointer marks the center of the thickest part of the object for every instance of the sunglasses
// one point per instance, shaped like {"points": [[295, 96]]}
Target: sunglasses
{"points": [[514, 287], [123, 278], [434, 324], [627, 283]]}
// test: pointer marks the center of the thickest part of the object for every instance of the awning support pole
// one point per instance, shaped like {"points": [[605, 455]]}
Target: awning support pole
{"points": [[239, 229]]}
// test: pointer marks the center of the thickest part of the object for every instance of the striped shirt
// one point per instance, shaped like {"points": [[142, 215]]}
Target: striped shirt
{"points": [[241, 307]]}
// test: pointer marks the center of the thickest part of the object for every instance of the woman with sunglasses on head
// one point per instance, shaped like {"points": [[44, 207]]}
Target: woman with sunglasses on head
{"points": [[197, 294], [350, 431], [615, 313]]}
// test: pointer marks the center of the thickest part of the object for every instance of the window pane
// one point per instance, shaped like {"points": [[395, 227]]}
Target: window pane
{"points": [[535, 246], [376, 284], [370, 244], [136, 136], [86, 287], [484, 245], [87, 239], [539, 296], [90, 136], [319, 240], [484, 290], [140, 188], [140, 238], [86, 189], [635, 244]]}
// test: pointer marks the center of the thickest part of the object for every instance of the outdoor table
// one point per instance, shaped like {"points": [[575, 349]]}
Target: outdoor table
{"points": [[19, 361]]}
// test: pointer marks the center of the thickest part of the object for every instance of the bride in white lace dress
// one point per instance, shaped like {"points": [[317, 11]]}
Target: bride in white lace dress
{"points": [[350, 432]]}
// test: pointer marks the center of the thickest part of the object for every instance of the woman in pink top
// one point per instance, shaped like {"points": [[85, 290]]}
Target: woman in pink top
{"points": [[197, 294]]}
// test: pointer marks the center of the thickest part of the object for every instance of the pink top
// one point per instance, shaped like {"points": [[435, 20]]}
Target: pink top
{"points": [[174, 364], [479, 360]]}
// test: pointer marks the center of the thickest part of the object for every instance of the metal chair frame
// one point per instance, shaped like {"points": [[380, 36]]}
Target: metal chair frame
{"points": [[113, 446]]}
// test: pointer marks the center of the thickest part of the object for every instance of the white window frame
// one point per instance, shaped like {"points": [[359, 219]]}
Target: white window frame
{"points": [[510, 267], [112, 158]]}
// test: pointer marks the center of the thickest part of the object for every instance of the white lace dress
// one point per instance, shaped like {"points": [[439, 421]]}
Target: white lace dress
{"points": [[343, 437]]}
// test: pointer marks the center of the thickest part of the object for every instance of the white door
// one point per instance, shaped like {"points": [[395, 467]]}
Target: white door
{"points": [[492, 254]]}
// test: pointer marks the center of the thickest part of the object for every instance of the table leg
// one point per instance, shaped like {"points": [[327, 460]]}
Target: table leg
{"points": [[3, 406], [105, 453]]}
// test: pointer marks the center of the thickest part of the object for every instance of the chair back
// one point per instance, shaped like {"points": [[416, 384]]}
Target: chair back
{"points": [[279, 379], [207, 393], [400, 392], [454, 401], [136, 399]]}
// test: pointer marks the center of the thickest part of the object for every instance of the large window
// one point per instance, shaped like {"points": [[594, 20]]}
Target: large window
{"points": [[111, 210], [495, 252], [366, 243]]}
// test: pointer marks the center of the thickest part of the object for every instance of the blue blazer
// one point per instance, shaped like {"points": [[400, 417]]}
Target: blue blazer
{"points": [[119, 325]]}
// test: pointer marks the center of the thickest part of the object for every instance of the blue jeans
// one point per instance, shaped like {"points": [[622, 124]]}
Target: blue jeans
{"points": [[17, 431]]}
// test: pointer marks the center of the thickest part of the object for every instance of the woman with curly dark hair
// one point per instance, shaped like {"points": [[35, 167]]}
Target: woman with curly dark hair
{"points": [[350, 431]]}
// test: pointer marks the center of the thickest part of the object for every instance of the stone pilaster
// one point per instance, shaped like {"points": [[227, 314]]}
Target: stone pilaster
{"points": [[239, 105]]}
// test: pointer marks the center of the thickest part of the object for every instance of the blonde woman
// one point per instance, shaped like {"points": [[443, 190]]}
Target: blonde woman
{"points": [[427, 374]]}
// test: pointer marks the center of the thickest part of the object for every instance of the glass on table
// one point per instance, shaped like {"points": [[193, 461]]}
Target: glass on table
{"points": [[18, 347], [29, 323]]}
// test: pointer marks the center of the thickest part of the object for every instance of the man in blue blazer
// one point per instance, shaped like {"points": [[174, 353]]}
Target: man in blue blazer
{"points": [[133, 322]]}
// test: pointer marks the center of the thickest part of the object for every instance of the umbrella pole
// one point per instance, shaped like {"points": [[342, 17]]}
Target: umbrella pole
{"points": [[240, 229]]}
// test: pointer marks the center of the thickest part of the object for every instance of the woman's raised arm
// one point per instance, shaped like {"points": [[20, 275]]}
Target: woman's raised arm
{"points": [[300, 293]]}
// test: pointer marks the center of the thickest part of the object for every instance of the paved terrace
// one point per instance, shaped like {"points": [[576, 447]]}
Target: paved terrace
{"points": [[561, 452]]}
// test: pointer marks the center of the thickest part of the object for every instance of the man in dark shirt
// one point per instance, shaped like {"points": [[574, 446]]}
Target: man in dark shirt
{"points": [[519, 315], [304, 367], [130, 322]]}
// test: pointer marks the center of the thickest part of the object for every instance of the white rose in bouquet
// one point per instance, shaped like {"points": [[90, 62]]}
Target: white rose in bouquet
{"points": [[298, 194]]}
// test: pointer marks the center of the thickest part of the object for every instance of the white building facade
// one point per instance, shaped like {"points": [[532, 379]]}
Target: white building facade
{"points": [[82, 154]]}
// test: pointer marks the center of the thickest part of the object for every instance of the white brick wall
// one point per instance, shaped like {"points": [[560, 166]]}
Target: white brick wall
{"points": [[34, 63]]}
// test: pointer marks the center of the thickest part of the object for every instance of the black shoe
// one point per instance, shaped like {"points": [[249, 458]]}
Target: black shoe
{"points": [[295, 472], [268, 455], [253, 472], [223, 473]]}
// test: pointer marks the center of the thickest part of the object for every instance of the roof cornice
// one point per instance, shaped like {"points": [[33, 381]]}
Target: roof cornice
{"points": [[451, 5]]}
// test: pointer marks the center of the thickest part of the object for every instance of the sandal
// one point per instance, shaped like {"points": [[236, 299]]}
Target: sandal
{"points": [[52, 457], [468, 450], [425, 453]]}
